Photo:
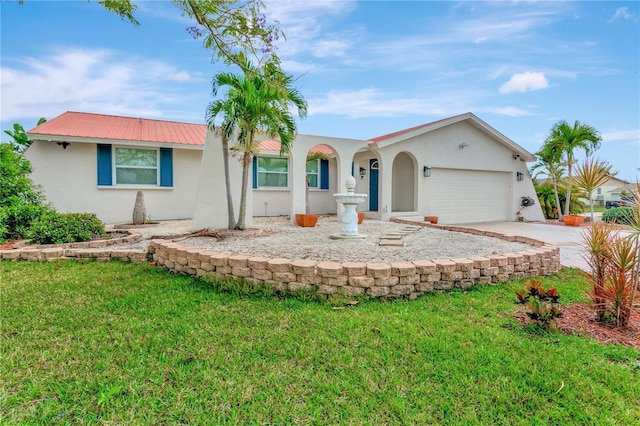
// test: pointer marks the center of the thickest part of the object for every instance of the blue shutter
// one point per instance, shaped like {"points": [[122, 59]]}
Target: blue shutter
{"points": [[324, 174], [353, 169], [166, 167], [104, 165], [255, 172]]}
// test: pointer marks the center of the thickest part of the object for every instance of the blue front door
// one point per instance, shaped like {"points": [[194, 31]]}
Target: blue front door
{"points": [[373, 185]]}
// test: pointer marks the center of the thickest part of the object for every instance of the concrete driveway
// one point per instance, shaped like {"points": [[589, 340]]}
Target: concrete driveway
{"points": [[568, 238]]}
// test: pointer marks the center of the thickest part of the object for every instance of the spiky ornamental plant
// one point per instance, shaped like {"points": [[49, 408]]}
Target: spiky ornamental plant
{"points": [[589, 175], [598, 240], [614, 262], [635, 237]]}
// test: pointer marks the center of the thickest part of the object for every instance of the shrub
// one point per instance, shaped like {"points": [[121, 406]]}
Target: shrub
{"points": [[21, 201], [542, 304], [619, 215], [16, 219], [58, 228]]}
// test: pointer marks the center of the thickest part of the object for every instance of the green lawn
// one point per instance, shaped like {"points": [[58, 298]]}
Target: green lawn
{"points": [[117, 343]]}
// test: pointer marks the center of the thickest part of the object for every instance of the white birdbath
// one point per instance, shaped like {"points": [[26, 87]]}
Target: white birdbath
{"points": [[350, 201]]}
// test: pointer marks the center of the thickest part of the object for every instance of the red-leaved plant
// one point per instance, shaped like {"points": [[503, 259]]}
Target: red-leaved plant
{"points": [[614, 260], [542, 304]]}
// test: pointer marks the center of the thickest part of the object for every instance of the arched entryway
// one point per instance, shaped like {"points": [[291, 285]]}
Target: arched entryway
{"points": [[403, 193]]}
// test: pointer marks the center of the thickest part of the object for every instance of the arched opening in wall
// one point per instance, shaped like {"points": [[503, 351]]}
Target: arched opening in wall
{"points": [[321, 179], [403, 183]]}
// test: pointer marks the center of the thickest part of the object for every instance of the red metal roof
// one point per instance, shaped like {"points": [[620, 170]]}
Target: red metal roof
{"points": [[271, 145], [100, 126]]}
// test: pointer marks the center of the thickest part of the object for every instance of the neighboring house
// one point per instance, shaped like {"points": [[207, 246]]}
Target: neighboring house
{"points": [[459, 169], [612, 190]]}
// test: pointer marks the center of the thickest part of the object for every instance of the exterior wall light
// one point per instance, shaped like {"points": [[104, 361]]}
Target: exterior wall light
{"points": [[516, 156], [64, 145], [363, 172], [519, 176], [426, 170]]}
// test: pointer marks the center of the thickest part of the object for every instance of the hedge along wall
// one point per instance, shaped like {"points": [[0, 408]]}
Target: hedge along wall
{"points": [[400, 279]]}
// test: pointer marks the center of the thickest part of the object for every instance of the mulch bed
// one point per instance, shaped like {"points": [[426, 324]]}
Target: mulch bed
{"points": [[581, 320]]}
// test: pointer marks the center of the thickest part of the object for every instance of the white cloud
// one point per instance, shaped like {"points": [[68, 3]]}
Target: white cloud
{"points": [[623, 13], [621, 135], [510, 111], [305, 23], [97, 80], [524, 82], [372, 102]]}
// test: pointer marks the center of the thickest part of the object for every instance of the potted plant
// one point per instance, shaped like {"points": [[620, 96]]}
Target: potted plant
{"points": [[431, 219], [573, 219]]}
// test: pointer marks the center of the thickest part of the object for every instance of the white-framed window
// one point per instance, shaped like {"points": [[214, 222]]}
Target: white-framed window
{"points": [[313, 173], [135, 166], [273, 172]]}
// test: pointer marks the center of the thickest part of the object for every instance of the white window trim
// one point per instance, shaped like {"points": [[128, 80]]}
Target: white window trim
{"points": [[114, 167], [280, 173]]}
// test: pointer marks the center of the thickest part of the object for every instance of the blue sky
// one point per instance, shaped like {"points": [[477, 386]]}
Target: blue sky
{"points": [[366, 68]]}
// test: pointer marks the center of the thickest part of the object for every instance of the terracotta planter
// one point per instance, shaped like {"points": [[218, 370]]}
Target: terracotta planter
{"points": [[307, 220], [431, 219], [573, 219], [360, 217]]}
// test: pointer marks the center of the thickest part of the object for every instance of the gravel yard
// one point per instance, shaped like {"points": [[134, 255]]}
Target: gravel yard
{"points": [[281, 239]]}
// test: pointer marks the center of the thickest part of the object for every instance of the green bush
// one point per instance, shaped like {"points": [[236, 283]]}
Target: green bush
{"points": [[16, 219], [620, 215], [58, 228], [21, 201]]}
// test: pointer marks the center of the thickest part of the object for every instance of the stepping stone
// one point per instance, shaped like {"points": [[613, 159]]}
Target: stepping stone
{"points": [[392, 243], [412, 228], [391, 237]]}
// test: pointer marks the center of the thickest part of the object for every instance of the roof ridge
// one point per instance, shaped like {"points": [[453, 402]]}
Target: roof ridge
{"points": [[133, 118]]}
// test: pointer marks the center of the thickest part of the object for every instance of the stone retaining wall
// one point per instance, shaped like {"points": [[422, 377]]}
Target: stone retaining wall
{"points": [[399, 279]]}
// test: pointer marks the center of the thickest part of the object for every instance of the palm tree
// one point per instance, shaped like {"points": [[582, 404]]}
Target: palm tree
{"points": [[550, 163], [590, 175], [565, 139], [257, 101]]}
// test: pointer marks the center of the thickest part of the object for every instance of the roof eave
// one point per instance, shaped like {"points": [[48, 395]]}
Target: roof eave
{"points": [[80, 139]]}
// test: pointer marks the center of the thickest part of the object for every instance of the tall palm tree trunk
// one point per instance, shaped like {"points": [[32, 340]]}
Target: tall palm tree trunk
{"points": [[555, 192], [246, 163], [227, 181], [569, 177]]}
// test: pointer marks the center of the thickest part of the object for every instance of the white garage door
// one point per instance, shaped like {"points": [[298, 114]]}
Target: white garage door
{"points": [[467, 196]]}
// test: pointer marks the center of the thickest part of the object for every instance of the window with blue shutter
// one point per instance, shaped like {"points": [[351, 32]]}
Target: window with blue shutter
{"points": [[324, 174], [166, 167], [129, 166]]}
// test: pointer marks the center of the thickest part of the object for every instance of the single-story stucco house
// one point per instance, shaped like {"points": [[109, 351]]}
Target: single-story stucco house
{"points": [[459, 169]]}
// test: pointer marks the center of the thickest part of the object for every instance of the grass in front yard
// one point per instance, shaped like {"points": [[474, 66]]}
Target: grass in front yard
{"points": [[132, 344]]}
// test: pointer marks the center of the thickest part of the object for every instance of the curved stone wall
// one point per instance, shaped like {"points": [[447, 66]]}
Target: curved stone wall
{"points": [[399, 279]]}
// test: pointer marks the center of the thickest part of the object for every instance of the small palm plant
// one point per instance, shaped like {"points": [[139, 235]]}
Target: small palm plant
{"points": [[589, 175]]}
